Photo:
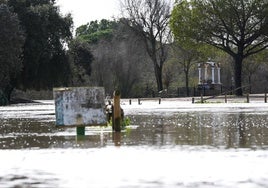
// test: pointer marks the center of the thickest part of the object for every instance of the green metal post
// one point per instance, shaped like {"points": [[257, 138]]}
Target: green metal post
{"points": [[80, 131]]}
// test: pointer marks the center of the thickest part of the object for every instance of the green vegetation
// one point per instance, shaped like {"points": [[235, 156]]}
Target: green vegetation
{"points": [[238, 27], [95, 31], [80, 60], [125, 122], [12, 40], [136, 53], [46, 33]]}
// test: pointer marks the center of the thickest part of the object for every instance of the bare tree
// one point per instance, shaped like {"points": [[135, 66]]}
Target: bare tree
{"points": [[186, 59], [168, 75], [117, 61], [150, 20]]}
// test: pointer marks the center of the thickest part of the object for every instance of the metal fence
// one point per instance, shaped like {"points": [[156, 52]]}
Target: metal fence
{"points": [[195, 91]]}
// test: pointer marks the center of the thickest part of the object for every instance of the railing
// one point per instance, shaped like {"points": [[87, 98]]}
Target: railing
{"points": [[227, 96]]}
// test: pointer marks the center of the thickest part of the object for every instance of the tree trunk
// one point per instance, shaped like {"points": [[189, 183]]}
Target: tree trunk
{"points": [[5, 96], [158, 76], [249, 82], [238, 75], [187, 83], [3, 99]]}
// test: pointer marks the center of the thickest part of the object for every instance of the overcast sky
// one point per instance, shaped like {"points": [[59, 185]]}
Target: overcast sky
{"points": [[84, 11]]}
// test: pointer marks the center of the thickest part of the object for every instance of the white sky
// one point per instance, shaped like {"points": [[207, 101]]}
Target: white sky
{"points": [[84, 11]]}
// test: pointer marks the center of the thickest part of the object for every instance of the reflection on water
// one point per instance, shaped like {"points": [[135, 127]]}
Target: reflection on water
{"points": [[238, 130], [181, 149], [228, 130]]}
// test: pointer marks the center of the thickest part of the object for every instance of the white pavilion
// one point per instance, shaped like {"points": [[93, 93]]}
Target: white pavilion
{"points": [[209, 74]]}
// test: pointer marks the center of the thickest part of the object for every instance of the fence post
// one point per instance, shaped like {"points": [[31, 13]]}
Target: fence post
{"points": [[247, 98], [117, 112], [225, 98], [265, 97]]}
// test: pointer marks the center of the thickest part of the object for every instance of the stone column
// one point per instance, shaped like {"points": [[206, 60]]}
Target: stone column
{"points": [[206, 73], [213, 74], [219, 75], [199, 73]]}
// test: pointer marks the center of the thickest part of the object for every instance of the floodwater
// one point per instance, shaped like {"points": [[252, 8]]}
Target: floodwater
{"points": [[168, 145]]}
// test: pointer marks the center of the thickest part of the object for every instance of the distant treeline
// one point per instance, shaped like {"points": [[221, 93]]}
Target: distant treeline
{"points": [[148, 50]]}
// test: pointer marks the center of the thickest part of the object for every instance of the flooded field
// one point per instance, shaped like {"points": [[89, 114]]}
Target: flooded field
{"points": [[174, 144]]}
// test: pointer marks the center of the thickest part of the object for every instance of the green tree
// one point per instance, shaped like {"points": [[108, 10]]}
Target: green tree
{"points": [[12, 40], [96, 30], [45, 62], [238, 27], [81, 59]]}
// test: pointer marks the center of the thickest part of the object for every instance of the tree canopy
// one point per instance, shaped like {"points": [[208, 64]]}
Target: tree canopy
{"points": [[45, 62], [12, 40], [95, 30], [81, 58], [238, 27]]}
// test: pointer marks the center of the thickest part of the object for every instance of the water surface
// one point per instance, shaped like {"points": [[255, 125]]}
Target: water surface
{"points": [[196, 146]]}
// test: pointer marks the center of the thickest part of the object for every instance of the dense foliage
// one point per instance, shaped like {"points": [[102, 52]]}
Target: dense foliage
{"points": [[133, 54], [45, 63], [238, 27], [11, 42], [95, 30], [80, 58]]}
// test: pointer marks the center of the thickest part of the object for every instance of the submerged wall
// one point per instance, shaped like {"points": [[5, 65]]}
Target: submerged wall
{"points": [[76, 106]]}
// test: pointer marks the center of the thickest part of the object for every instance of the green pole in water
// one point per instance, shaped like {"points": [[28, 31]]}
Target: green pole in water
{"points": [[80, 131]]}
